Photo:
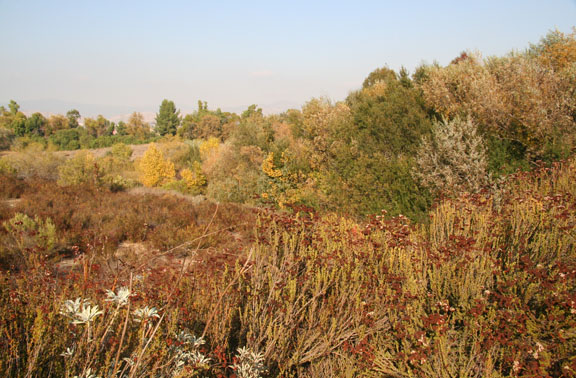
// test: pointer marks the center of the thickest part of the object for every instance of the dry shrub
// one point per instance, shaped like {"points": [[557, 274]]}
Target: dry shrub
{"points": [[29, 240], [234, 174], [454, 159], [11, 186], [35, 162], [163, 221], [515, 98]]}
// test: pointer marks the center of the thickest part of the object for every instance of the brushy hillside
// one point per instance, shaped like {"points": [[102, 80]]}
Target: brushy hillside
{"points": [[485, 288]]}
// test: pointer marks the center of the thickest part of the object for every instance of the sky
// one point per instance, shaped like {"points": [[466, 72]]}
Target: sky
{"points": [[118, 56]]}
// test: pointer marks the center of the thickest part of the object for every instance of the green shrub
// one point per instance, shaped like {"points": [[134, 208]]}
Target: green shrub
{"points": [[80, 169], [121, 151], [30, 239], [68, 139], [6, 168]]}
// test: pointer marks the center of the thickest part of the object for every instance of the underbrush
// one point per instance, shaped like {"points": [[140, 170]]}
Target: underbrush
{"points": [[93, 218], [486, 288]]}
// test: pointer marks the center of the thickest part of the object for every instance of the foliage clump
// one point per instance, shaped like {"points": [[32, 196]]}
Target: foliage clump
{"points": [[454, 159], [193, 177], [520, 98], [80, 169], [31, 240], [154, 169]]}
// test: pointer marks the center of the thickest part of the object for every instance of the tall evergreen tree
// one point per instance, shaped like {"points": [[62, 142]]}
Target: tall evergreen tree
{"points": [[167, 119]]}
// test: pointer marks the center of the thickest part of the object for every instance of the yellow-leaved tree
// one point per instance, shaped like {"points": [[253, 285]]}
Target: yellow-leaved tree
{"points": [[154, 169]]}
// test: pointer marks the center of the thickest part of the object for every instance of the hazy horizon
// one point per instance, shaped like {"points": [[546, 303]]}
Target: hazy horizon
{"points": [[113, 58]]}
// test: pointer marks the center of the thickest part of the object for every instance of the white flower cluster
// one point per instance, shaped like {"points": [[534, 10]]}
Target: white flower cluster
{"points": [[87, 374], [249, 364], [80, 311], [121, 298], [145, 313], [187, 351]]}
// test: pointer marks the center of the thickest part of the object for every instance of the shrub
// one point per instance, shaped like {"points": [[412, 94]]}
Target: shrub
{"points": [[80, 169], [234, 174], [194, 178], [121, 151], [514, 98], [154, 169], [6, 168], [454, 159], [6, 137], [208, 147], [35, 162], [31, 239], [182, 154]]}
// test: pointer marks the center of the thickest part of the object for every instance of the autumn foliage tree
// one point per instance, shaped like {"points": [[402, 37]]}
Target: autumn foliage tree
{"points": [[154, 169], [137, 127], [556, 50]]}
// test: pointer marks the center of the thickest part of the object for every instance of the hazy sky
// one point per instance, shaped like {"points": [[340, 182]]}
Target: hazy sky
{"points": [[235, 53]]}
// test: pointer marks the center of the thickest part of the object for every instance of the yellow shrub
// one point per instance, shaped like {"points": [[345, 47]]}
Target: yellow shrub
{"points": [[208, 146], [154, 169], [194, 178], [6, 168], [268, 166]]}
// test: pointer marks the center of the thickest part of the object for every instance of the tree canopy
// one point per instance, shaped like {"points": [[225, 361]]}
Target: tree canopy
{"points": [[167, 119]]}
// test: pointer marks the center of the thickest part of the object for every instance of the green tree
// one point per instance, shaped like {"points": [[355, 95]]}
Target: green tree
{"points": [[35, 125], [121, 128], [73, 117], [97, 127], [188, 128], [14, 107], [18, 124], [67, 139], [383, 74], [137, 127], [167, 119], [389, 114], [252, 111]]}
